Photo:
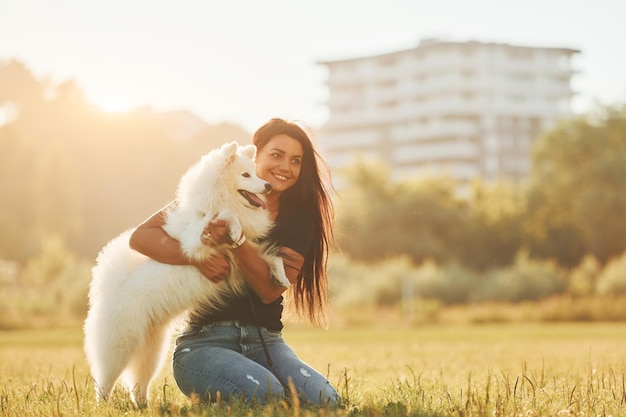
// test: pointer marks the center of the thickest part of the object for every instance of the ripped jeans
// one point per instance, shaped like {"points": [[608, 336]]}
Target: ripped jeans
{"points": [[228, 357]]}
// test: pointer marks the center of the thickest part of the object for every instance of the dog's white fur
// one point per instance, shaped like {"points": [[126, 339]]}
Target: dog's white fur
{"points": [[134, 300]]}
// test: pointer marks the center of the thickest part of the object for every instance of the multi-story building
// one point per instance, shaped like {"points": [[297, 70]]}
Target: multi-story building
{"points": [[463, 109]]}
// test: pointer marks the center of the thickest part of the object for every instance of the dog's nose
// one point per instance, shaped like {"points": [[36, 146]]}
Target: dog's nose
{"points": [[268, 187]]}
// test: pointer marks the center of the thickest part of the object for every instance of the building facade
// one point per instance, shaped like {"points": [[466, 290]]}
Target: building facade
{"points": [[462, 109]]}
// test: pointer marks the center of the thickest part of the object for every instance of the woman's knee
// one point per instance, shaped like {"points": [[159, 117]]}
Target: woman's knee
{"points": [[254, 384], [323, 396], [262, 388]]}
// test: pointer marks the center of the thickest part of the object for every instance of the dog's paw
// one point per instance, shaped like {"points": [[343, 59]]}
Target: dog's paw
{"points": [[235, 230], [277, 273]]}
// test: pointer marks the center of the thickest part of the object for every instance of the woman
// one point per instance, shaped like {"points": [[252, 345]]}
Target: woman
{"points": [[239, 351]]}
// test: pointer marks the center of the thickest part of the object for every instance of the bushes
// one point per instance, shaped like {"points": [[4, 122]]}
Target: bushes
{"points": [[387, 283], [50, 290], [568, 308], [451, 284], [356, 284], [582, 280], [612, 280], [587, 292], [525, 280]]}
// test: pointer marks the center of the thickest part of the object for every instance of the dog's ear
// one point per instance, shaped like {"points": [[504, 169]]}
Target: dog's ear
{"points": [[229, 150], [248, 151]]}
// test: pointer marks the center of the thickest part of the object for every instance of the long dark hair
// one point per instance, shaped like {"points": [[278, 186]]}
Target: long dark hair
{"points": [[309, 193]]}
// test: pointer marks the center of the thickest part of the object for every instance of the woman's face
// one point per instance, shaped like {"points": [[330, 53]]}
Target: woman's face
{"points": [[279, 162]]}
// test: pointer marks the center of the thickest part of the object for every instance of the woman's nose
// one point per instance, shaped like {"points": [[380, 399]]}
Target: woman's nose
{"points": [[284, 166]]}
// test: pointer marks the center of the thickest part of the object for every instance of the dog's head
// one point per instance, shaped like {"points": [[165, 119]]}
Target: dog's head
{"points": [[240, 165], [222, 178]]}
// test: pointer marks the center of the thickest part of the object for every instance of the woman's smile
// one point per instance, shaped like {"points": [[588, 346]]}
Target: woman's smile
{"points": [[280, 177], [279, 162]]}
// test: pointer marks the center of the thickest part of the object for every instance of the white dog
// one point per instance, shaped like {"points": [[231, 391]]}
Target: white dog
{"points": [[134, 300]]}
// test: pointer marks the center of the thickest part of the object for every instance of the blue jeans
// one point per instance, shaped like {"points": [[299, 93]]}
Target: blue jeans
{"points": [[228, 357]]}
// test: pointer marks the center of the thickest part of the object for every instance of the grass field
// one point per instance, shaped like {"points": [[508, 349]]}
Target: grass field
{"points": [[495, 370]]}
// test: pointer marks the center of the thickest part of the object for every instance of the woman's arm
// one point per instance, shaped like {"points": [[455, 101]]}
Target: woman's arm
{"points": [[254, 268], [257, 272], [150, 239]]}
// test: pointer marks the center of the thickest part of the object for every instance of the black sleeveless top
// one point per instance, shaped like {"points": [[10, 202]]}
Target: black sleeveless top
{"points": [[294, 231]]}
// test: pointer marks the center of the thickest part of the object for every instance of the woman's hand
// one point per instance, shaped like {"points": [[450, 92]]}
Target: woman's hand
{"points": [[215, 233], [150, 239], [215, 268]]}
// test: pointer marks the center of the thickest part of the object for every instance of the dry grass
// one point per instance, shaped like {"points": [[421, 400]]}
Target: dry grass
{"points": [[501, 370]]}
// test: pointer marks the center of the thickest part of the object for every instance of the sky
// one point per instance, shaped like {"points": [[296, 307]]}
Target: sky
{"points": [[245, 61]]}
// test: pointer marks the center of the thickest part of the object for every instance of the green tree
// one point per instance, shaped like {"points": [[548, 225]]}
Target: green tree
{"points": [[380, 218], [612, 280], [491, 237], [525, 279], [39, 194], [575, 199], [19, 163], [583, 278]]}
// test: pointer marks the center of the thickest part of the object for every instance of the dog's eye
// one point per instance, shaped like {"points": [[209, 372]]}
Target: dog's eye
{"points": [[246, 175]]}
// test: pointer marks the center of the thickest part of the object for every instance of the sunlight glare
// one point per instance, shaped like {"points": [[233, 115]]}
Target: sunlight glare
{"points": [[8, 113], [115, 105]]}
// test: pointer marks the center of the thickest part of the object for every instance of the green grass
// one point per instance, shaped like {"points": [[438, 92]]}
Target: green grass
{"points": [[495, 370]]}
